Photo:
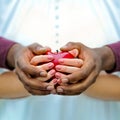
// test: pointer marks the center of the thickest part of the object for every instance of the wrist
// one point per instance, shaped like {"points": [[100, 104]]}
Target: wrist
{"points": [[12, 55], [107, 58]]}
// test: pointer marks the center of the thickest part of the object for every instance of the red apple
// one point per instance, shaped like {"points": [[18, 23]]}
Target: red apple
{"points": [[58, 55]]}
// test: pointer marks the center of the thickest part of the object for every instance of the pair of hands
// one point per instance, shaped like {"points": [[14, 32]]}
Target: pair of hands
{"points": [[81, 73]]}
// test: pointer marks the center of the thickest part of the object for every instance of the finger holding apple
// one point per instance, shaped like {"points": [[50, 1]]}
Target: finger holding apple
{"points": [[40, 59], [62, 62], [59, 54], [67, 65], [71, 62], [63, 71], [44, 63]]}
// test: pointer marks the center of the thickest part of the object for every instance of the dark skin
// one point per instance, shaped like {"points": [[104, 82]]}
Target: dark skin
{"points": [[95, 60], [19, 57]]}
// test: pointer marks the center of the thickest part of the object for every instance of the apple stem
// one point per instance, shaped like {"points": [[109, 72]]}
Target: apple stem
{"points": [[57, 51]]}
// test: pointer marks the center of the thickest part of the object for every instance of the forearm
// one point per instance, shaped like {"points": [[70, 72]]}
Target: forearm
{"points": [[11, 56], [11, 87], [106, 87]]}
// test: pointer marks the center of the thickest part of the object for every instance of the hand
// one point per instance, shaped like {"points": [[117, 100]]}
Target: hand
{"points": [[44, 61], [21, 61], [94, 61], [67, 67]]}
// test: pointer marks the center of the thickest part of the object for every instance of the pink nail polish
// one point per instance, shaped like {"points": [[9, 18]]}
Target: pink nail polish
{"points": [[59, 81], [52, 72], [50, 65], [61, 61], [55, 81], [57, 75], [50, 57], [58, 67]]}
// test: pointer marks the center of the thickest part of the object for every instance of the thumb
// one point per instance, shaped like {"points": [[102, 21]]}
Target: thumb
{"points": [[74, 52], [69, 46], [38, 49]]}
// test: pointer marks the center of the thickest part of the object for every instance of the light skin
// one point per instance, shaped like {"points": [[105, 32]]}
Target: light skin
{"points": [[11, 87], [106, 87]]}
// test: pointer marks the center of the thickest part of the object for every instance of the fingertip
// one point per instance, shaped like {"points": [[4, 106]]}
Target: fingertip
{"points": [[74, 52], [43, 73], [42, 50], [59, 81], [54, 81], [48, 49], [64, 48], [32, 62], [52, 72]]}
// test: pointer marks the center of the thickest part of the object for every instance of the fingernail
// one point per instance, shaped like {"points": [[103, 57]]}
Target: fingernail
{"points": [[64, 80], [59, 81], [50, 57], [50, 87], [43, 73], [74, 52], [52, 72], [54, 81], [57, 75], [58, 67], [59, 90], [61, 61], [50, 65]]}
